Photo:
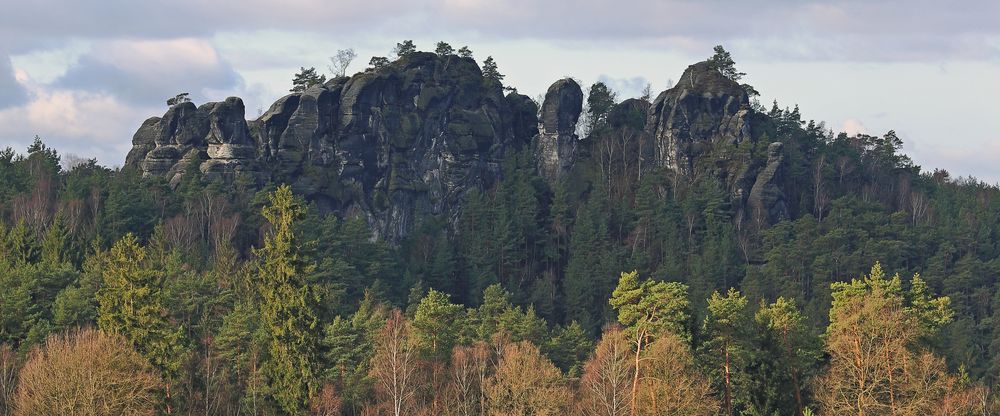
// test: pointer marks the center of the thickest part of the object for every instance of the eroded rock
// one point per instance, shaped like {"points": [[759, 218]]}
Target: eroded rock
{"points": [[556, 142]]}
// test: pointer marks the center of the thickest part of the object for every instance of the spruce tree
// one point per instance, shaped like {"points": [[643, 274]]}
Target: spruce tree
{"points": [[131, 304], [288, 305]]}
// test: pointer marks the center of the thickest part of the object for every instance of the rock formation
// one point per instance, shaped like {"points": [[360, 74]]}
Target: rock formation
{"points": [[406, 142], [704, 109], [766, 200], [556, 142], [398, 144], [213, 138]]}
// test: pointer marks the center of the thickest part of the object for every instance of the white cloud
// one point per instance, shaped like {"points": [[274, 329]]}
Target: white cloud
{"points": [[85, 123], [853, 127]]}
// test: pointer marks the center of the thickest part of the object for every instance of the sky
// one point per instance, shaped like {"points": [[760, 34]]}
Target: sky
{"points": [[84, 75]]}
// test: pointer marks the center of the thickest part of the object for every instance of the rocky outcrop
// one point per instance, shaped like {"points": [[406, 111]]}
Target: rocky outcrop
{"points": [[213, 138], [406, 142], [766, 201], [230, 149], [396, 145], [705, 109], [556, 142]]}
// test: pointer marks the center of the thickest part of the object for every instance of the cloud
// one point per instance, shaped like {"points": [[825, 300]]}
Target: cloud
{"points": [[149, 71], [39, 23], [853, 127], [976, 159], [625, 87], [91, 124], [12, 93], [891, 30]]}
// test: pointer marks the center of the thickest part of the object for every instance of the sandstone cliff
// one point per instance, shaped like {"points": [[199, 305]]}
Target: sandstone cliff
{"points": [[406, 142]]}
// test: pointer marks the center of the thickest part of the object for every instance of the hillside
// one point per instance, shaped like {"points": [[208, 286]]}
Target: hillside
{"points": [[498, 225]]}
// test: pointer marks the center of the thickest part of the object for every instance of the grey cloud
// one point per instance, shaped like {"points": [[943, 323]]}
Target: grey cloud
{"points": [[150, 75], [12, 93], [892, 30], [42, 23]]}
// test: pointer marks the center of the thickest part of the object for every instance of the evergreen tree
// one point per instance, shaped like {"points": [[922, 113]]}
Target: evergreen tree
{"points": [[491, 75], [131, 304], [377, 63], [437, 326], [444, 49], [404, 48], [600, 100], [288, 305], [725, 328], [306, 78], [649, 309], [723, 62]]}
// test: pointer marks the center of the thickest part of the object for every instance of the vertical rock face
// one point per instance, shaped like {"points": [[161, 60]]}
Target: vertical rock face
{"points": [[395, 145], [766, 201], [703, 110], [556, 142], [230, 148]]}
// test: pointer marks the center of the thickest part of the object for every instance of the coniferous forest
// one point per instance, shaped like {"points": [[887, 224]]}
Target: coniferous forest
{"points": [[618, 287]]}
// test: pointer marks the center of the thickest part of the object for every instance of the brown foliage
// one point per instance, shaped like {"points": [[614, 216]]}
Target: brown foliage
{"points": [[671, 385], [88, 372], [469, 369], [327, 402], [526, 383], [394, 366], [873, 369], [605, 388]]}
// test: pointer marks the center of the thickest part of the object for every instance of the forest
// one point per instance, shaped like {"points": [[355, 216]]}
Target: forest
{"points": [[615, 291]]}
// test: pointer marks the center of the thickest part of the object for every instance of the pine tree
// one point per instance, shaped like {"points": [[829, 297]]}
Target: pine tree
{"points": [[783, 320], [725, 326], [437, 325], [649, 309], [491, 75], [723, 62], [377, 63], [404, 48], [306, 78], [444, 49], [600, 100]]}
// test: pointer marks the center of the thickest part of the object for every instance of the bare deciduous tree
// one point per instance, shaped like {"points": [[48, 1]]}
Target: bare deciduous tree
{"points": [[8, 378], [526, 383], [89, 372], [341, 60], [671, 384], [394, 365], [605, 388], [469, 369]]}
